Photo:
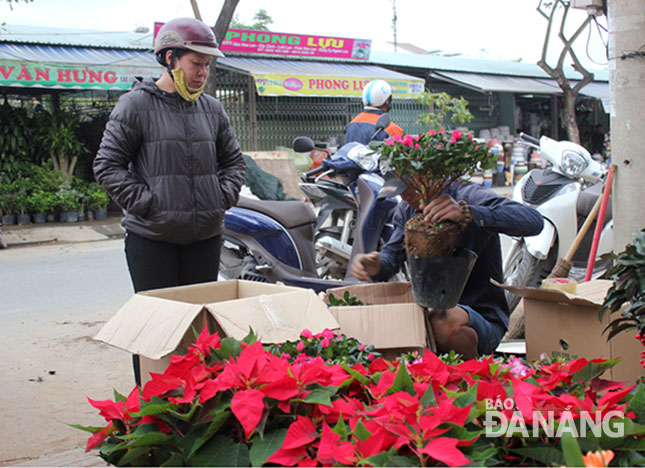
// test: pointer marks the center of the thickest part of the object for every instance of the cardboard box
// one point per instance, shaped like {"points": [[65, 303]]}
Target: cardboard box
{"points": [[392, 322], [156, 324], [562, 324]]}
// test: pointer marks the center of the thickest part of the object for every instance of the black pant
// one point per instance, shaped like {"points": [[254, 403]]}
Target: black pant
{"points": [[154, 264]]}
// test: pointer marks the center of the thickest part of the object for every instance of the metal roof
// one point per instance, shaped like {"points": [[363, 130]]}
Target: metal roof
{"points": [[75, 37], [76, 55], [460, 64], [132, 40]]}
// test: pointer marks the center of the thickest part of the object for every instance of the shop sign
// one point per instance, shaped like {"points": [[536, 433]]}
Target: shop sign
{"points": [[265, 42], [334, 86], [43, 75]]}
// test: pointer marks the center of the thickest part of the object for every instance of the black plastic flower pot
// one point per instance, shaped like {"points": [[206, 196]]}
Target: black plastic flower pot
{"points": [[437, 282]]}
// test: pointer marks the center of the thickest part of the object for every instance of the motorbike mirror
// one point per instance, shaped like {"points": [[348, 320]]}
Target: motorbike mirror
{"points": [[383, 121], [302, 144]]}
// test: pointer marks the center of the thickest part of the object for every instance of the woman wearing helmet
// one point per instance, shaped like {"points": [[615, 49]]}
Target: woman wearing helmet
{"points": [[170, 159], [377, 99]]}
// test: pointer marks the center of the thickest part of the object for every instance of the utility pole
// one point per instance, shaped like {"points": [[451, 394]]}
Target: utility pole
{"points": [[394, 18], [626, 78]]}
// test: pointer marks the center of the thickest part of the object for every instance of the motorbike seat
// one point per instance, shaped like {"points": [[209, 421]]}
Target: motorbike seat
{"points": [[288, 213], [587, 199]]}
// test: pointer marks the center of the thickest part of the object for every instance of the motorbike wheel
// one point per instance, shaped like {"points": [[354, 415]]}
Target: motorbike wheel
{"points": [[524, 270]]}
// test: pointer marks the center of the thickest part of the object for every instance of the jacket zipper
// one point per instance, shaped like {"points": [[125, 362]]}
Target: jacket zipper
{"points": [[191, 169]]}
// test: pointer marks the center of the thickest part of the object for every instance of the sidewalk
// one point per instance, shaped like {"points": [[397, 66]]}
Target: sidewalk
{"points": [[86, 231], [89, 231]]}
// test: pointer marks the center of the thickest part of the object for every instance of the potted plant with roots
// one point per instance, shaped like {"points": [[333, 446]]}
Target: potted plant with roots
{"points": [[429, 163]]}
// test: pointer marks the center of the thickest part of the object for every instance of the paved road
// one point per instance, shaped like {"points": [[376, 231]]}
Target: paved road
{"points": [[54, 299]]}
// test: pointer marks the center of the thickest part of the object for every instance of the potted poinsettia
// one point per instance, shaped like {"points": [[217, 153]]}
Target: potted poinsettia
{"points": [[230, 403], [429, 163]]}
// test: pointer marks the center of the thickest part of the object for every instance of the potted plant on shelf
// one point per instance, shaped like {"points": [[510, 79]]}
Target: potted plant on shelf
{"points": [[7, 199], [429, 163], [68, 201], [40, 203], [98, 200]]}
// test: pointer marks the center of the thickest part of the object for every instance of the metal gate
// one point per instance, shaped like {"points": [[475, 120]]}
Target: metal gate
{"points": [[267, 123]]}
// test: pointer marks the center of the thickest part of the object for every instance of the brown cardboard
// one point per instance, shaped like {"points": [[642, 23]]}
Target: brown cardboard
{"points": [[390, 320], [156, 324], [562, 324]]}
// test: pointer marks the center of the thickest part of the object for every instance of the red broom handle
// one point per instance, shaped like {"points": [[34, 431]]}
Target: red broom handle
{"points": [[599, 223]]}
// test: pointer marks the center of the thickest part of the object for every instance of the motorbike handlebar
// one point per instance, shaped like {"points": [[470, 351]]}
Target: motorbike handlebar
{"points": [[529, 138], [313, 172]]}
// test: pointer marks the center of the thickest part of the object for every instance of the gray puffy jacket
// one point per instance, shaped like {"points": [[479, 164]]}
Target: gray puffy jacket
{"points": [[173, 166]]}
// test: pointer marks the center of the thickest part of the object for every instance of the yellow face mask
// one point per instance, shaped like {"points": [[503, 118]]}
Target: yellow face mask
{"points": [[185, 91]]}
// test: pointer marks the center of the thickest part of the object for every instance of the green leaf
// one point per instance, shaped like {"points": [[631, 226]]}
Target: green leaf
{"points": [[264, 447], [251, 338], [637, 404], [341, 428], [571, 450], [221, 451], [546, 454], [361, 432], [428, 398], [387, 458], [402, 382], [230, 348], [195, 439], [130, 456], [91, 429], [593, 370], [174, 460], [154, 410], [318, 397], [355, 374], [466, 398], [150, 439]]}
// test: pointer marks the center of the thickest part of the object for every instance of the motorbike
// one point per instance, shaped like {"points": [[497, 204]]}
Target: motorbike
{"points": [[334, 188], [274, 241], [564, 192]]}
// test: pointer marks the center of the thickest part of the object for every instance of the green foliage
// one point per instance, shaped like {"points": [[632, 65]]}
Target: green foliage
{"points": [[16, 139], [69, 198], [261, 19], [431, 161], [97, 197], [41, 201], [22, 188], [628, 274], [332, 347], [60, 133], [444, 107], [345, 301]]}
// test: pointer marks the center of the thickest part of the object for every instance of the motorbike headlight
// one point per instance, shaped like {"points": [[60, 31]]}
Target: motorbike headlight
{"points": [[364, 157], [573, 163]]}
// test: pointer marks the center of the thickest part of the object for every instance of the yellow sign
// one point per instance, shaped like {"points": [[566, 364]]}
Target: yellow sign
{"points": [[329, 86]]}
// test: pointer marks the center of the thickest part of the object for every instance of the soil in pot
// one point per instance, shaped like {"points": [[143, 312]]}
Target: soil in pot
{"points": [[430, 240]]}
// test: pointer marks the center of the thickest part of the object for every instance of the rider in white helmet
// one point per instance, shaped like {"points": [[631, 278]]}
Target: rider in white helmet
{"points": [[377, 99]]}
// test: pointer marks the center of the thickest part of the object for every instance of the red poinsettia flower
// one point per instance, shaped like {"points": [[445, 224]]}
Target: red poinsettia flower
{"points": [[445, 450], [333, 451], [99, 436]]}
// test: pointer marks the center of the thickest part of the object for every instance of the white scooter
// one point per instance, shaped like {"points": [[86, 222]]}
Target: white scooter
{"points": [[564, 192]]}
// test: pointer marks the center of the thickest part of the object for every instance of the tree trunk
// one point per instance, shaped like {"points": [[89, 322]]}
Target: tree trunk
{"points": [[573, 132], [221, 26], [626, 78]]}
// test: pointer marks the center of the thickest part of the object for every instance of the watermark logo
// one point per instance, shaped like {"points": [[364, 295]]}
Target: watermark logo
{"points": [[497, 422]]}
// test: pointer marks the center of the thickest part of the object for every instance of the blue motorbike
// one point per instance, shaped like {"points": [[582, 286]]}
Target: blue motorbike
{"points": [[274, 241]]}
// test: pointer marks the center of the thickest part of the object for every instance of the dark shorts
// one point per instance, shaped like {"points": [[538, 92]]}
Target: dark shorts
{"points": [[489, 334]]}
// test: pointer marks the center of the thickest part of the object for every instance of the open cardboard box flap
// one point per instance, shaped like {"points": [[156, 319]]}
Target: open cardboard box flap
{"points": [[389, 320], [590, 293], [383, 293], [154, 323]]}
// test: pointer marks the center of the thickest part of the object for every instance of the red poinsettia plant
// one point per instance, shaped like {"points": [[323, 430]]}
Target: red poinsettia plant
{"points": [[230, 403]]}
